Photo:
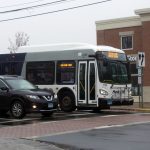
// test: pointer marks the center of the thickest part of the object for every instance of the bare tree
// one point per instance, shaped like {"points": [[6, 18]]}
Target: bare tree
{"points": [[21, 39]]}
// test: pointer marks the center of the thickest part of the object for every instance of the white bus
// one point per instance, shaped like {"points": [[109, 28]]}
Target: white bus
{"points": [[83, 76]]}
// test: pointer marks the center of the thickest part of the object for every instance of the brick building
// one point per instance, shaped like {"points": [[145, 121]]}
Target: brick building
{"points": [[131, 34]]}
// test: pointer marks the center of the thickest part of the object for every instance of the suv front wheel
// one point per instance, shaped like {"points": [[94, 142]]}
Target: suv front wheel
{"points": [[17, 110]]}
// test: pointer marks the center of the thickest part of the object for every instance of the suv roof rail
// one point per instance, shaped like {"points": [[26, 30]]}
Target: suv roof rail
{"points": [[9, 76]]}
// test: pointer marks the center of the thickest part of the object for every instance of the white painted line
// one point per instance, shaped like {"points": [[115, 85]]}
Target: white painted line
{"points": [[107, 116], [122, 125], [51, 121], [80, 114], [88, 129], [17, 120]]}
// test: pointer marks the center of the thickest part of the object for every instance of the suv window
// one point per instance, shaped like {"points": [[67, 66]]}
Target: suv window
{"points": [[20, 84], [2, 84]]}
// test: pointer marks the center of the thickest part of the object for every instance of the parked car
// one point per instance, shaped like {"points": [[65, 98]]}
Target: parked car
{"points": [[20, 97]]}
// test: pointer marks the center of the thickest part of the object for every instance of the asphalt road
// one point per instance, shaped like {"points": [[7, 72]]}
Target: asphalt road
{"points": [[80, 130], [124, 137]]}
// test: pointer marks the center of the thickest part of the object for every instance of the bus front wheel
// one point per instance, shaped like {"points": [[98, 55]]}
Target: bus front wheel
{"points": [[67, 102]]}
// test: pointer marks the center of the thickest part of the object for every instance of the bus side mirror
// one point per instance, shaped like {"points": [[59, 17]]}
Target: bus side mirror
{"points": [[99, 55]]}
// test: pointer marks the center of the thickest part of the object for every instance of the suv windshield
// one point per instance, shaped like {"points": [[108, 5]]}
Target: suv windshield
{"points": [[113, 72], [20, 84]]}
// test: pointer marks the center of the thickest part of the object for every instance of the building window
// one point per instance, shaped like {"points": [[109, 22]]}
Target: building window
{"points": [[126, 39], [127, 42]]}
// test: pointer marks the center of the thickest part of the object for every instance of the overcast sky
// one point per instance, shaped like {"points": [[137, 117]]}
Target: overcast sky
{"points": [[76, 25]]}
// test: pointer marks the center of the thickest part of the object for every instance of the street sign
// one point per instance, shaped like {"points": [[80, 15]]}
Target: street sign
{"points": [[141, 59]]}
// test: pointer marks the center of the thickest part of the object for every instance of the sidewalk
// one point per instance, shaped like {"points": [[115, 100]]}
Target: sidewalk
{"points": [[24, 144], [135, 107]]}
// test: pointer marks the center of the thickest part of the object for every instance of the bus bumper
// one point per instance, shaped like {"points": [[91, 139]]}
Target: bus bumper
{"points": [[116, 102], [104, 103]]}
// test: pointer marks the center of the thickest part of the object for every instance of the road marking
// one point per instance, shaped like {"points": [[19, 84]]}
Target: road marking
{"points": [[88, 129], [17, 120], [80, 114], [31, 119], [111, 116], [122, 125]]}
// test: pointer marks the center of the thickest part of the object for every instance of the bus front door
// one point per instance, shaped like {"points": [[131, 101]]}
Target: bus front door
{"points": [[86, 83]]}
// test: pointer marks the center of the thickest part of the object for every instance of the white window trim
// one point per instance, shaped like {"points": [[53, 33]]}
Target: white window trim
{"points": [[126, 33]]}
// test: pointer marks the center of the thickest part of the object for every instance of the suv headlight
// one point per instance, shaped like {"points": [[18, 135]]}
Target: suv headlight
{"points": [[33, 97], [103, 92]]}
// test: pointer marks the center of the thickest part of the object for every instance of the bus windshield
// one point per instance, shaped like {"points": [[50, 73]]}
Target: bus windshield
{"points": [[113, 72]]}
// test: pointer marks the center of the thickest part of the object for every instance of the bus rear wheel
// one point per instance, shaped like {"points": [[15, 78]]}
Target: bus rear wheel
{"points": [[67, 102]]}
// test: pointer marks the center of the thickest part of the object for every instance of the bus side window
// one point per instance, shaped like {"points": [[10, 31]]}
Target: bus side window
{"points": [[65, 72], [41, 73], [5, 68], [16, 68]]}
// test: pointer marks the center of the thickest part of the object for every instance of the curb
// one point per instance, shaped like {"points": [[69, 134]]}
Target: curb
{"points": [[144, 110]]}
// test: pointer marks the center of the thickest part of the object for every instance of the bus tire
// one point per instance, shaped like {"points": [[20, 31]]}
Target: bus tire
{"points": [[67, 102]]}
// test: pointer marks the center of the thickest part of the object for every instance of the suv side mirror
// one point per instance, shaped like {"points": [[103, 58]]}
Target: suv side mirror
{"points": [[4, 89]]}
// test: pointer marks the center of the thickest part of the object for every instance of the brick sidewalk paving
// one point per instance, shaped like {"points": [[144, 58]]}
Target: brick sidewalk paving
{"points": [[57, 127]]}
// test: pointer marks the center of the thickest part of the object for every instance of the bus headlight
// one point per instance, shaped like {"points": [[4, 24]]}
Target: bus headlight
{"points": [[103, 92], [130, 93]]}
